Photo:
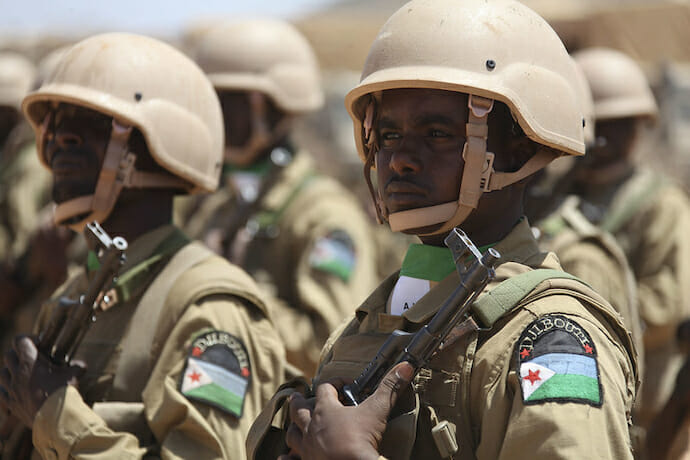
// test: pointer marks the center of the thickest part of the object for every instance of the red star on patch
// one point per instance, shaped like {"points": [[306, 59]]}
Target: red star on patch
{"points": [[245, 372], [588, 349], [196, 351], [533, 376], [524, 353], [195, 376]]}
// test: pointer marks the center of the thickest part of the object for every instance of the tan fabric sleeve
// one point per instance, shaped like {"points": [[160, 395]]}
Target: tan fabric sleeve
{"points": [[324, 298], [510, 429], [188, 429], [184, 428], [66, 427], [660, 259]]}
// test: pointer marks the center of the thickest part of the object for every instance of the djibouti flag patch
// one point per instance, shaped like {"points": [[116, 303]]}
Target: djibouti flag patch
{"points": [[217, 372], [558, 362]]}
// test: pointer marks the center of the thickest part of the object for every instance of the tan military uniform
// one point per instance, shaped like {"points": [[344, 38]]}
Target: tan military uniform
{"points": [[294, 240], [595, 257], [131, 402], [474, 383], [24, 191], [649, 217]]}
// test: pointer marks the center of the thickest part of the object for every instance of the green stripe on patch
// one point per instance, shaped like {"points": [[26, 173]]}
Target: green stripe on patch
{"points": [[218, 396], [335, 267], [568, 386]]}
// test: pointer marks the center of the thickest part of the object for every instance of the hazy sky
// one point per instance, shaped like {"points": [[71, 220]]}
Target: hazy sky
{"points": [[77, 17]]}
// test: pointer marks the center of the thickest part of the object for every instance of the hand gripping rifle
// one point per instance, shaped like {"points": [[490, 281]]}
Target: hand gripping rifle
{"points": [[419, 347], [68, 325]]}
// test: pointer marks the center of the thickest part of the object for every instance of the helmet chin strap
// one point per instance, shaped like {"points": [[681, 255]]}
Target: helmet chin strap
{"points": [[477, 169], [262, 136], [117, 172], [478, 176]]}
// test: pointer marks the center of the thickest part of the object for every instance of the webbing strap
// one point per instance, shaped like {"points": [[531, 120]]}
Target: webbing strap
{"points": [[502, 299], [130, 282], [638, 192]]}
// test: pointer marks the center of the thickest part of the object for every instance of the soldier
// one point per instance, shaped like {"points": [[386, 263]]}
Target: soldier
{"points": [[583, 249], [24, 185], [646, 212], [300, 234], [551, 372], [181, 363]]}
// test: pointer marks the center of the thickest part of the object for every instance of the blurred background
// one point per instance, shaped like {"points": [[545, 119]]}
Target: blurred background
{"points": [[654, 32]]}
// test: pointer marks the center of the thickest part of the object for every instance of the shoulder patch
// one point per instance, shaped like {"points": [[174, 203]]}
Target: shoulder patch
{"points": [[558, 362], [217, 372], [335, 254]]}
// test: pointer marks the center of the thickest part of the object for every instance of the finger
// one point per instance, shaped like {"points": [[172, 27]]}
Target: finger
{"points": [[24, 344], [338, 382], [383, 399], [293, 438], [326, 394], [300, 411]]}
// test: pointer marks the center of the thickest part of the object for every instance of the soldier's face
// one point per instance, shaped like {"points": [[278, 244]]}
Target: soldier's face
{"points": [[236, 116], [75, 143], [614, 142], [421, 134]]}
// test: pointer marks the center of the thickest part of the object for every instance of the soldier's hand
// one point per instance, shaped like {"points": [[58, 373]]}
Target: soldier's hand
{"points": [[28, 378], [334, 431]]}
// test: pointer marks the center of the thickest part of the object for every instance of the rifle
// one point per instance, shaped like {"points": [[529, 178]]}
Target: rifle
{"points": [[418, 348], [69, 322], [71, 319]]}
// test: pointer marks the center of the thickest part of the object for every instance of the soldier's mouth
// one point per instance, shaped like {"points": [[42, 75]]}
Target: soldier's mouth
{"points": [[401, 195]]}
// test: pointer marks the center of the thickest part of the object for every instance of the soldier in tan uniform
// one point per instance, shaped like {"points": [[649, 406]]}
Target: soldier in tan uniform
{"points": [[647, 213], [301, 235], [583, 249], [24, 185], [550, 373], [33, 259], [183, 361]]}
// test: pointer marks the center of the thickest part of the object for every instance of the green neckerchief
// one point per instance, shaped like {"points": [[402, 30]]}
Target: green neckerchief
{"points": [[260, 168], [431, 263]]}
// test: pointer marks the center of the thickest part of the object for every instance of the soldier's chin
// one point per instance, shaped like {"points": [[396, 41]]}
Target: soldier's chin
{"points": [[63, 192]]}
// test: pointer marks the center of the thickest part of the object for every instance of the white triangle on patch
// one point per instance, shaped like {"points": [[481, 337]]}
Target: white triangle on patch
{"points": [[406, 293], [194, 376], [532, 376]]}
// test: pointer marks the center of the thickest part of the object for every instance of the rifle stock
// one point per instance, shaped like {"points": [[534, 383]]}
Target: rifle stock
{"points": [[419, 347]]}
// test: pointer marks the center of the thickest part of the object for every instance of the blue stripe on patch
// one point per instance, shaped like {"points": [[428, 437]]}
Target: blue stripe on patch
{"points": [[223, 378], [566, 363]]}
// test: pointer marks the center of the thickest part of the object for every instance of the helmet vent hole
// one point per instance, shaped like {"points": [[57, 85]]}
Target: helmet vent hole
{"points": [[137, 96], [584, 123], [490, 64]]}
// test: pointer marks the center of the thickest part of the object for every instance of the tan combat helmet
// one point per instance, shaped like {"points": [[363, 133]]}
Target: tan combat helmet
{"points": [[49, 63], [266, 58], [17, 74], [586, 104], [493, 50], [144, 84], [619, 87]]}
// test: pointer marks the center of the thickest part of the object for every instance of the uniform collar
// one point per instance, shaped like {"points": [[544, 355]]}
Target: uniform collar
{"points": [[519, 251], [145, 245]]}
